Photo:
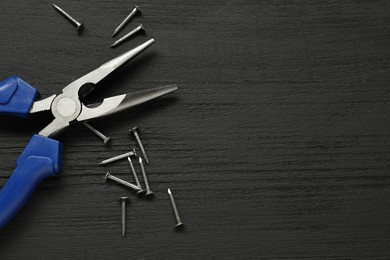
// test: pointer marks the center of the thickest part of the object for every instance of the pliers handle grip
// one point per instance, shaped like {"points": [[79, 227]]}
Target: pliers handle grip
{"points": [[16, 97], [41, 158]]}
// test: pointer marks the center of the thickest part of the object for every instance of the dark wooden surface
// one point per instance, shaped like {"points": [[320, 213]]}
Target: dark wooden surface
{"points": [[276, 144]]}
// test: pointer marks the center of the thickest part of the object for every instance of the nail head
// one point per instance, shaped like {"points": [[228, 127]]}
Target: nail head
{"points": [[139, 10], [124, 198], [179, 225], [80, 27], [135, 153], [106, 140], [149, 193]]}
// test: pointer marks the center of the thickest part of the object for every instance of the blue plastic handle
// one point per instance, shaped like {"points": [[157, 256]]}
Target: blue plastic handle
{"points": [[41, 158], [16, 97]]}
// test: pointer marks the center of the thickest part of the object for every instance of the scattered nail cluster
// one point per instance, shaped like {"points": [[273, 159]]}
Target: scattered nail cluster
{"points": [[139, 28], [80, 26], [137, 187]]}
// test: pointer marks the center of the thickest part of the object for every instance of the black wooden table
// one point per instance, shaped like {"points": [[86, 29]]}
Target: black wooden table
{"points": [[276, 144]]}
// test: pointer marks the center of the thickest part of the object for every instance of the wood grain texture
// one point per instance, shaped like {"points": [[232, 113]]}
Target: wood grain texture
{"points": [[276, 144]]}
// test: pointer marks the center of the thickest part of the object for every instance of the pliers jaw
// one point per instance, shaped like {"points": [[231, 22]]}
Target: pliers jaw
{"points": [[67, 106], [65, 112]]}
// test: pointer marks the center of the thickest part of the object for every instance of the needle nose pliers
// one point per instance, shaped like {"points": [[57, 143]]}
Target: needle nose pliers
{"points": [[42, 157]]}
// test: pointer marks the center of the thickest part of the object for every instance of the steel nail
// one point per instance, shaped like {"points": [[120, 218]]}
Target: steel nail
{"points": [[123, 202], [141, 147], [78, 25], [175, 211], [132, 13], [116, 158], [139, 28], [106, 139], [125, 183], [135, 175], [148, 191]]}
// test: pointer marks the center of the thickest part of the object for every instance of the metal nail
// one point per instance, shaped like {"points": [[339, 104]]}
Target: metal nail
{"points": [[139, 28], [132, 13], [106, 139], [78, 25], [116, 158], [148, 191], [135, 176], [125, 183], [173, 203], [141, 147], [123, 202]]}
